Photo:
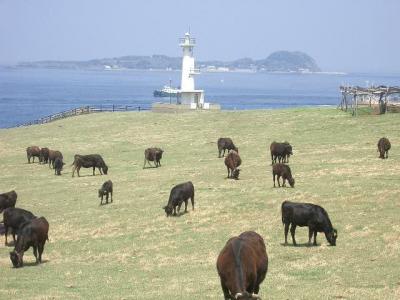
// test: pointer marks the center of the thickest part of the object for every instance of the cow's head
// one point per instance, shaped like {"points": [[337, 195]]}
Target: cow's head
{"points": [[105, 169], [235, 174], [16, 259], [168, 210], [291, 181], [246, 296], [101, 193], [332, 236]]}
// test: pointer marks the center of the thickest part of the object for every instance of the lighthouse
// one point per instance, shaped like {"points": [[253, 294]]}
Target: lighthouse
{"points": [[188, 93]]}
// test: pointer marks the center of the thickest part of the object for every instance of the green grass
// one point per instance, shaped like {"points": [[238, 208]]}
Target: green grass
{"points": [[130, 250]]}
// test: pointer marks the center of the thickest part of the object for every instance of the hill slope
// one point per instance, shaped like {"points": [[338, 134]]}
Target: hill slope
{"points": [[130, 250]]}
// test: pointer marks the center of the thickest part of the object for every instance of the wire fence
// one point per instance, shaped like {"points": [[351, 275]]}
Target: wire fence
{"points": [[83, 111]]}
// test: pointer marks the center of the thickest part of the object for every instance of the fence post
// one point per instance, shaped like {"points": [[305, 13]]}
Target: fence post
{"points": [[113, 108], [139, 108]]}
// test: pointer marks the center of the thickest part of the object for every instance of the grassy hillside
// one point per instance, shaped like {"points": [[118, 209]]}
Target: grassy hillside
{"points": [[130, 250]]}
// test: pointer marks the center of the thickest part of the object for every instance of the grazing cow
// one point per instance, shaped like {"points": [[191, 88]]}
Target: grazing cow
{"points": [[58, 165], [383, 147], [225, 144], [32, 234], [89, 161], [44, 155], [32, 151], [310, 215], [242, 266], [179, 194], [13, 218], [282, 170], [8, 200], [154, 155], [53, 155], [280, 151], [106, 188], [232, 162]]}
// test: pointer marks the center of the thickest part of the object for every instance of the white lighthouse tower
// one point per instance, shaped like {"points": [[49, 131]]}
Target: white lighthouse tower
{"points": [[189, 95]]}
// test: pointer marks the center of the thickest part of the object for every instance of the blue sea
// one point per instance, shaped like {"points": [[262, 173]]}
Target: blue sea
{"points": [[29, 94]]}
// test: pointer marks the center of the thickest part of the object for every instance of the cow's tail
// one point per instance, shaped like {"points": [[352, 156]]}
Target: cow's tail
{"points": [[283, 219]]}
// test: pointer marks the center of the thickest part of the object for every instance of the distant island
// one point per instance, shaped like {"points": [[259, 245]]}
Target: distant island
{"points": [[279, 61]]}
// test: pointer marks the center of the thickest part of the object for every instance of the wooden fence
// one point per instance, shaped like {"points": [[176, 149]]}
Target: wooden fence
{"points": [[82, 111]]}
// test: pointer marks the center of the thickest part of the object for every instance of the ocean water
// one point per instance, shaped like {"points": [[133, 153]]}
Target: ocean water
{"points": [[29, 94]]}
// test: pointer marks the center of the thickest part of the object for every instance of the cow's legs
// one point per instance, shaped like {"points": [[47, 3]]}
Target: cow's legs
{"points": [[35, 253], [192, 200], [77, 170], [93, 170], [40, 248], [186, 203], [107, 198], [144, 163], [225, 291], [5, 234], [175, 210], [286, 231], [13, 234], [284, 181], [387, 153], [278, 179], [315, 238], [274, 179], [310, 234], [292, 232], [111, 196], [228, 171]]}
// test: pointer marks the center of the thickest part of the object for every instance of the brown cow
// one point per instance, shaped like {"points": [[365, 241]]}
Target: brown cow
{"points": [[242, 266], [232, 162], [53, 154], [154, 155], [225, 144], [44, 155], [282, 170], [32, 151], [8, 200], [383, 148]]}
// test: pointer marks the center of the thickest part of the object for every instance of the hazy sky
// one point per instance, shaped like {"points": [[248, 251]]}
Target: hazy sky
{"points": [[341, 35]]}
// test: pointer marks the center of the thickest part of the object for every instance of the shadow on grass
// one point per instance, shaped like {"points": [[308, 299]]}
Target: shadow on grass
{"points": [[304, 245], [33, 263]]}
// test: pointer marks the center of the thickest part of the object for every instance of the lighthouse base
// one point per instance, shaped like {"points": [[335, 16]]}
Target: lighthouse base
{"points": [[181, 108]]}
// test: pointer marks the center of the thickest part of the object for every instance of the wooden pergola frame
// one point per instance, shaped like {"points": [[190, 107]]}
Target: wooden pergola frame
{"points": [[353, 95]]}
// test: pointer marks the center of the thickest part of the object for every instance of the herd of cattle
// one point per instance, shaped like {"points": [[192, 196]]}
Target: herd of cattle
{"points": [[243, 262]]}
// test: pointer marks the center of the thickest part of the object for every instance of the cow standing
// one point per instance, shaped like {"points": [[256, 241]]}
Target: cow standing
{"points": [[225, 144], [89, 161], [58, 166], [44, 155], [105, 190], [15, 217], [8, 200], [53, 155], [281, 170], [310, 215], [280, 151], [32, 152], [33, 234], [232, 162], [383, 148], [242, 266], [154, 155], [179, 194]]}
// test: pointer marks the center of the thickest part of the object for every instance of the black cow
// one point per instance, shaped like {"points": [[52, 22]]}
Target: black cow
{"points": [[225, 144], [89, 161], [32, 234], [242, 266], [58, 166], [32, 152], [282, 170], [154, 155], [179, 194], [8, 200], [53, 155], [13, 218], [310, 215], [280, 151], [106, 188], [383, 147]]}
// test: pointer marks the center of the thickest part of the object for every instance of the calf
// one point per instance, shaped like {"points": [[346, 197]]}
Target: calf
{"points": [[13, 218], [179, 194], [89, 161], [154, 155], [58, 166], [242, 266], [280, 151], [106, 188], [8, 200], [232, 162], [383, 147], [310, 215], [53, 155], [32, 152], [225, 144], [44, 155], [32, 234], [282, 170]]}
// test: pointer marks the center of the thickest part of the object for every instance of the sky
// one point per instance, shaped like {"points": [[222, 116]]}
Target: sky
{"points": [[341, 35]]}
